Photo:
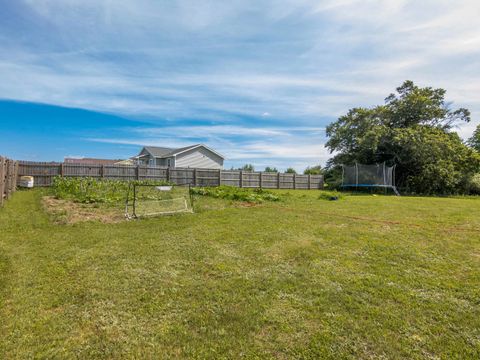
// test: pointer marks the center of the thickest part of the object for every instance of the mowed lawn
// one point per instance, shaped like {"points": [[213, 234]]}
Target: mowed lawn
{"points": [[364, 277]]}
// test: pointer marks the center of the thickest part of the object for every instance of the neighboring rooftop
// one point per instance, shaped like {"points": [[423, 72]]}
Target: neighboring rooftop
{"points": [[164, 152], [92, 161]]}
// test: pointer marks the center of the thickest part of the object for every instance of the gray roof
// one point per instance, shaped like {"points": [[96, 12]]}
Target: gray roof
{"points": [[163, 152], [157, 151]]}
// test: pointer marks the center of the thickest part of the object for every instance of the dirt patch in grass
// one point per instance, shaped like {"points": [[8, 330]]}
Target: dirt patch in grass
{"points": [[68, 212], [247, 204]]}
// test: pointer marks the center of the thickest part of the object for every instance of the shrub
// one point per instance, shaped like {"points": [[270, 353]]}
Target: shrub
{"points": [[330, 195], [314, 170], [474, 184]]}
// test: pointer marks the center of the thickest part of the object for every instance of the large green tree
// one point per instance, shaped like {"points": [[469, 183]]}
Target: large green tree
{"points": [[474, 141], [413, 130]]}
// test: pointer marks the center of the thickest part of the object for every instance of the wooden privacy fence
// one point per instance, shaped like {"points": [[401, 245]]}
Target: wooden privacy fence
{"points": [[44, 173], [8, 178]]}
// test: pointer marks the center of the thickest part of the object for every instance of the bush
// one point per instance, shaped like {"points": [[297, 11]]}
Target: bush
{"points": [[234, 193], [474, 184], [330, 195], [314, 170], [91, 190]]}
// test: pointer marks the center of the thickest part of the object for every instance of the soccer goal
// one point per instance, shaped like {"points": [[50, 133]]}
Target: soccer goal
{"points": [[154, 200], [369, 176]]}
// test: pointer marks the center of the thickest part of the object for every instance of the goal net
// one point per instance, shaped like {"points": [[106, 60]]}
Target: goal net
{"points": [[361, 175], [155, 200]]}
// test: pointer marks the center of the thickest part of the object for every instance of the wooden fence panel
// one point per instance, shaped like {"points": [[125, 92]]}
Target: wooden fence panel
{"points": [[182, 176], [153, 173], [230, 178], [77, 170], [301, 182], [316, 182], [44, 173], [286, 181], [208, 177], [270, 180], [251, 179], [119, 172]]}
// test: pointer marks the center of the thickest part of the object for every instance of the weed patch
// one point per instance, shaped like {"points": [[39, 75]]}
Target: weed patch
{"points": [[237, 194], [90, 190]]}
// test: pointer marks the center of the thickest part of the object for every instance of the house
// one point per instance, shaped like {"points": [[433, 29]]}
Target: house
{"points": [[194, 156]]}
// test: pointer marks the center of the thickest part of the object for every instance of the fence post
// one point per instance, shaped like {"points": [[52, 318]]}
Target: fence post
{"points": [[241, 179], [309, 182], [15, 174], [138, 172], [294, 181], [2, 179], [261, 173], [168, 174], [8, 180], [62, 169], [278, 180], [219, 177], [195, 177], [103, 171]]}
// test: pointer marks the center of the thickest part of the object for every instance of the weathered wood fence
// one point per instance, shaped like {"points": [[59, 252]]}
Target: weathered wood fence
{"points": [[44, 173], [8, 178]]}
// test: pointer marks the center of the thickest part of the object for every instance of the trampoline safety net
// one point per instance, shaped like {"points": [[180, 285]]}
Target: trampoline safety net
{"points": [[377, 175]]}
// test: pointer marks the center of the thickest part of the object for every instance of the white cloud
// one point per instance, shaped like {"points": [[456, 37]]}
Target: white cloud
{"points": [[226, 62]]}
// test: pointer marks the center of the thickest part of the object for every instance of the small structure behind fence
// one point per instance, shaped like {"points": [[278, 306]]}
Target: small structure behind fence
{"points": [[8, 178], [44, 173]]}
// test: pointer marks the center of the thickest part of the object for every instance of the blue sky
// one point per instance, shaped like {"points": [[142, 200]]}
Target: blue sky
{"points": [[256, 80]]}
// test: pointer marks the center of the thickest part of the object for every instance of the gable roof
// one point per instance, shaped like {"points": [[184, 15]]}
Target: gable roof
{"points": [[157, 151], [163, 152]]}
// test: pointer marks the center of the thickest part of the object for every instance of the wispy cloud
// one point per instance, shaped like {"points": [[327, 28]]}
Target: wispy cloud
{"points": [[270, 146], [248, 69]]}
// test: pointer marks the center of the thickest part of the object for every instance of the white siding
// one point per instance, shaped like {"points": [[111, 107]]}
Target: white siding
{"points": [[199, 158]]}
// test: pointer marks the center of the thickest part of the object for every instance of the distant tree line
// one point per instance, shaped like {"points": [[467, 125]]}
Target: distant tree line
{"points": [[314, 170]]}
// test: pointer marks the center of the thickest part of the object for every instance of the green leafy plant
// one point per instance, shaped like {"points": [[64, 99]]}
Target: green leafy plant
{"points": [[91, 190], [474, 184], [330, 195]]}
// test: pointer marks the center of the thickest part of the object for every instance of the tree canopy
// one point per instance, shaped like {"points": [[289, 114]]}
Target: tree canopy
{"points": [[271, 169], [314, 170], [247, 167], [474, 141], [413, 130]]}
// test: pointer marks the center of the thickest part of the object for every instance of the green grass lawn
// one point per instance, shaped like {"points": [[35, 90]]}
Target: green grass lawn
{"points": [[364, 277]]}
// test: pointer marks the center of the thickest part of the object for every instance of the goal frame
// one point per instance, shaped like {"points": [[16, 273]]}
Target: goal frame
{"points": [[132, 204]]}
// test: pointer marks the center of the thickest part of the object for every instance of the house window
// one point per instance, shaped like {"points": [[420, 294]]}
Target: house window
{"points": [[151, 162], [169, 162]]}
